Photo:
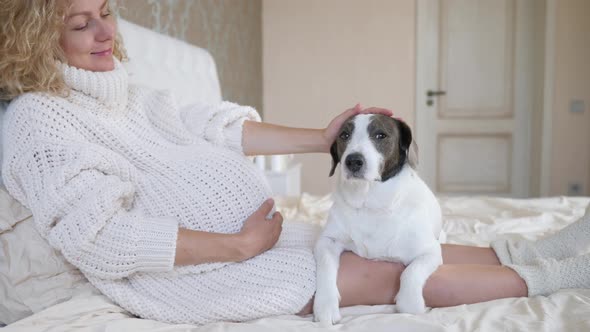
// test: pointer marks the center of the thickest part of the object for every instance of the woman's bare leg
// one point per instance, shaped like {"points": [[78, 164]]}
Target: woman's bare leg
{"points": [[452, 285], [362, 281], [458, 254], [470, 275], [366, 282]]}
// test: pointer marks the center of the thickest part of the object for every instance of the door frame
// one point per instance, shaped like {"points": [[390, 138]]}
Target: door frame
{"points": [[548, 94], [425, 49]]}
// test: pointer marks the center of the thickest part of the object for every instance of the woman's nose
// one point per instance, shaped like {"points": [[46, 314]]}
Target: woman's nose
{"points": [[105, 31]]}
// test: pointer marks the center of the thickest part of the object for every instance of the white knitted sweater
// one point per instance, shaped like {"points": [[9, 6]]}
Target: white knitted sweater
{"points": [[112, 171]]}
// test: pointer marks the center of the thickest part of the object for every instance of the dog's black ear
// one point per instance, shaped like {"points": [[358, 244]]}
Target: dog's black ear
{"points": [[405, 136], [335, 157], [404, 142]]}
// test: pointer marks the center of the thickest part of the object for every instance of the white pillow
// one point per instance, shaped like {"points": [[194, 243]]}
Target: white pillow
{"points": [[33, 276]]}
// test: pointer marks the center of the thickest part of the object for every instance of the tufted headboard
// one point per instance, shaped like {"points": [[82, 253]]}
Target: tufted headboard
{"points": [[163, 62]]}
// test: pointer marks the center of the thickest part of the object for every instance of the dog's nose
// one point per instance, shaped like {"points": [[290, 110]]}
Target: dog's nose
{"points": [[354, 162]]}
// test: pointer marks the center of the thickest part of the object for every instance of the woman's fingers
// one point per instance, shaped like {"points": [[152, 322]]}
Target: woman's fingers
{"points": [[377, 110], [266, 207], [352, 111], [277, 228], [277, 217]]}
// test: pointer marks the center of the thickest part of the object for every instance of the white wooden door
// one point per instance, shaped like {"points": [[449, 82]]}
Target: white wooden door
{"points": [[473, 132]]}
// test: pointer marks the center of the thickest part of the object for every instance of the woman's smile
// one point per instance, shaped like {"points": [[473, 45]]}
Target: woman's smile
{"points": [[106, 52]]}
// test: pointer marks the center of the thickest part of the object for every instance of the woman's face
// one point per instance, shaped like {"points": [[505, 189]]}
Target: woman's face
{"points": [[89, 35]]}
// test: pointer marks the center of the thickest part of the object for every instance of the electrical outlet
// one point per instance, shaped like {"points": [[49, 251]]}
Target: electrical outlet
{"points": [[575, 189], [577, 106]]}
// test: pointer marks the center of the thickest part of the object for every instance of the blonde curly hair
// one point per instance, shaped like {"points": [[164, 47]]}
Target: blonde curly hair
{"points": [[29, 47]]}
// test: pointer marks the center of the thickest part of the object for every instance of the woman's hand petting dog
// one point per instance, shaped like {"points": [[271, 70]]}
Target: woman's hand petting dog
{"points": [[259, 233], [331, 132]]}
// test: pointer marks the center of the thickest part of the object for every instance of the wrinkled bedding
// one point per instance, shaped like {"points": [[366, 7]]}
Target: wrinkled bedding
{"points": [[474, 221]]}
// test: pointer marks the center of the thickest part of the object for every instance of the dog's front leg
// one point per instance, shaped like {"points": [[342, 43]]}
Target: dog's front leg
{"points": [[327, 297], [409, 298]]}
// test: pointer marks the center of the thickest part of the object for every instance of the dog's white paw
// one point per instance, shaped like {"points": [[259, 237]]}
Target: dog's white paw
{"points": [[410, 301], [326, 309]]}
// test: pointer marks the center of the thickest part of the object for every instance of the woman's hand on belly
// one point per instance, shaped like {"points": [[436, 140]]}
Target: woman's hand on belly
{"points": [[258, 234]]}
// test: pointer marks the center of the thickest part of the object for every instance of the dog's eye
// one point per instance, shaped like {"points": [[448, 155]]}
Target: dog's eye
{"points": [[380, 135], [344, 135]]}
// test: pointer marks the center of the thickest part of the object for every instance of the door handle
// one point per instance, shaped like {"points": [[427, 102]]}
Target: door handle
{"points": [[431, 93]]}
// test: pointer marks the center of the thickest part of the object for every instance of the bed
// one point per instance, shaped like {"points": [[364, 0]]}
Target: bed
{"points": [[40, 291]]}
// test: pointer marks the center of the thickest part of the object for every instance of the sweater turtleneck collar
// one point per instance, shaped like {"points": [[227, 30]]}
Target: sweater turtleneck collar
{"points": [[109, 87]]}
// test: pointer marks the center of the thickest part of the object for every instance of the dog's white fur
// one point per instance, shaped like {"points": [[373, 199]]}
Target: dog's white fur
{"points": [[396, 220]]}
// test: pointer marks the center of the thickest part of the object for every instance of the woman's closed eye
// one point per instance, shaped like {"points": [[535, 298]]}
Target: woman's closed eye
{"points": [[81, 27]]}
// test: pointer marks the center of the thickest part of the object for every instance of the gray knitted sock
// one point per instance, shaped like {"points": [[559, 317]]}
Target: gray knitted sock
{"points": [[550, 275], [567, 242]]}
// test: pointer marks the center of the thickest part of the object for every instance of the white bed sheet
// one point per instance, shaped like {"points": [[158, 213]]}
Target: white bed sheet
{"points": [[466, 220]]}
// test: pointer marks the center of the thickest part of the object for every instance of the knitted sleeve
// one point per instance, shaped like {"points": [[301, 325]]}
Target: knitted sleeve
{"points": [[82, 202], [219, 124]]}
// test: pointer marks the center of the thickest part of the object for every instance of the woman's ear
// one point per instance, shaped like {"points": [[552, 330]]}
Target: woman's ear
{"points": [[335, 157]]}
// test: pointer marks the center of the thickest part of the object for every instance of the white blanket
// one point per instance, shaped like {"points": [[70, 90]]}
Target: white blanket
{"points": [[473, 221]]}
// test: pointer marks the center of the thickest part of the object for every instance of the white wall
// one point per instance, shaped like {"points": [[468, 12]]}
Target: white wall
{"points": [[570, 148]]}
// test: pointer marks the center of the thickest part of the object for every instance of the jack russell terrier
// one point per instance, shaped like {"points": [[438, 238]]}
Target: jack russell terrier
{"points": [[382, 210]]}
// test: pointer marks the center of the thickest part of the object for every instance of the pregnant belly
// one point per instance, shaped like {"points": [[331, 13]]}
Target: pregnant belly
{"points": [[213, 195]]}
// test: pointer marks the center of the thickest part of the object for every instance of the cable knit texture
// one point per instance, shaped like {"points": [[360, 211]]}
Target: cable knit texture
{"points": [[551, 263], [112, 171]]}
